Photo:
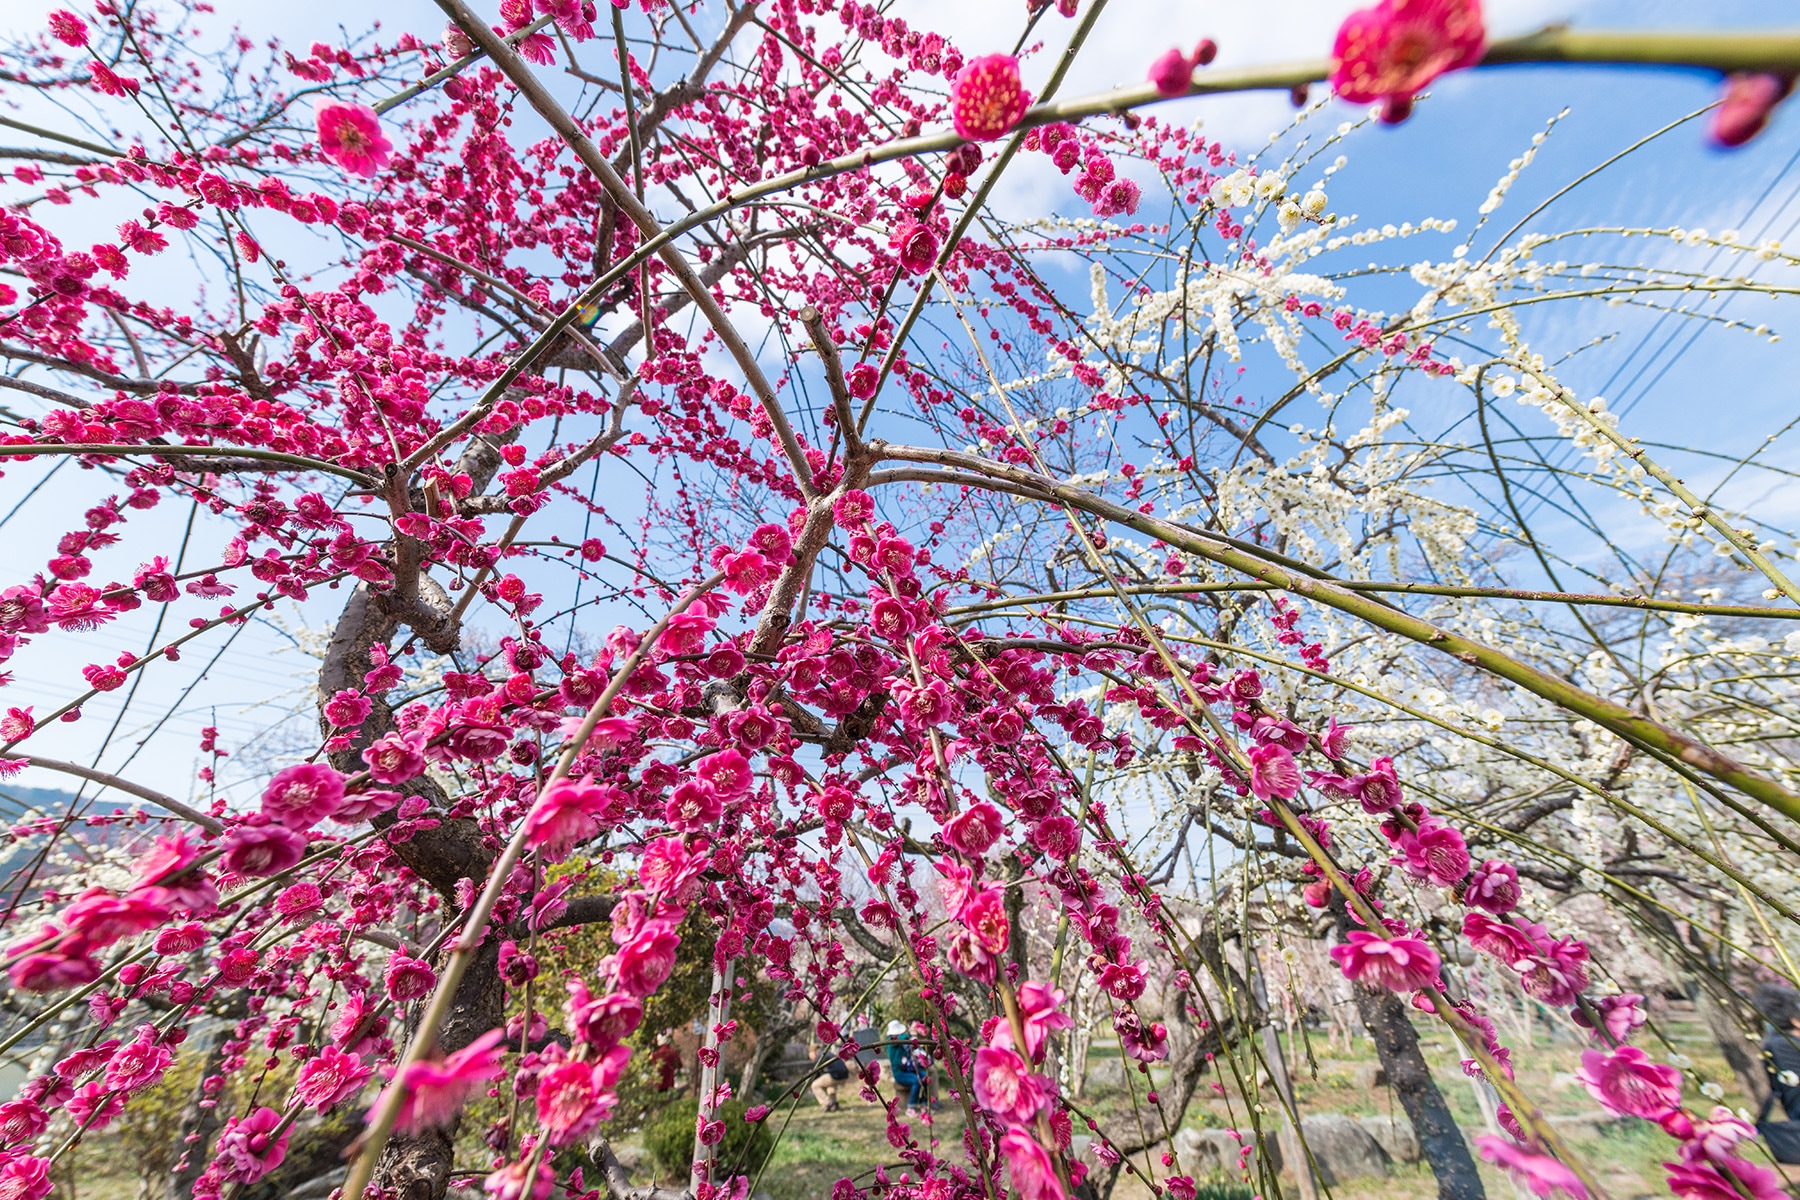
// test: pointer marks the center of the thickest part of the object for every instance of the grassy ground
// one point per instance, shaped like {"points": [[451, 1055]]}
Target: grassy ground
{"points": [[817, 1148]]}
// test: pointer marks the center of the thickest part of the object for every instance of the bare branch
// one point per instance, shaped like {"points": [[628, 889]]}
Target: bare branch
{"points": [[120, 784]]}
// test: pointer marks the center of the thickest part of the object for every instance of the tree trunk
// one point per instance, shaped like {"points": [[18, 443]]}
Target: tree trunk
{"points": [[1740, 1053], [203, 1122], [417, 1168], [1440, 1140]]}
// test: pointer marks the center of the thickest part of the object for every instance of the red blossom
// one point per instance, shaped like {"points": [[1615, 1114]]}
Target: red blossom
{"points": [[1395, 48], [350, 136], [987, 98]]}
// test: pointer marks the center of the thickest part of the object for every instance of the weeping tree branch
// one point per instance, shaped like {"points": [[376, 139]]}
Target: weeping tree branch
{"points": [[1633, 727]]}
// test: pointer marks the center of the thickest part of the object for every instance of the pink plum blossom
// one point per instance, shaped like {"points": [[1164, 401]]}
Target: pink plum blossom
{"points": [[434, 1089], [350, 136], [1033, 1174], [329, 1078], [565, 814], [1542, 1174], [249, 1147], [1399, 963], [974, 830], [1005, 1086], [302, 795], [987, 99], [1273, 772], [1395, 48], [1627, 1081]]}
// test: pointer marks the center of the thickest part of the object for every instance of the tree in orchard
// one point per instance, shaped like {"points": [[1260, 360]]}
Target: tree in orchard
{"points": [[934, 566]]}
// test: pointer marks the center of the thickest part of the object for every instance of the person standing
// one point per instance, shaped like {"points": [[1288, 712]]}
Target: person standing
{"points": [[1780, 1007]]}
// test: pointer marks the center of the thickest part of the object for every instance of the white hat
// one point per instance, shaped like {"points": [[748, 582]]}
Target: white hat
{"points": [[896, 1028]]}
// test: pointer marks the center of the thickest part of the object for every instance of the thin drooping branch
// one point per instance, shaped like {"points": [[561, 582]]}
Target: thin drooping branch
{"points": [[546, 105], [110, 450], [1633, 727]]}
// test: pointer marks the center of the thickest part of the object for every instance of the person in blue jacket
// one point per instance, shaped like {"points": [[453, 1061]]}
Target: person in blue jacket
{"points": [[905, 1071]]}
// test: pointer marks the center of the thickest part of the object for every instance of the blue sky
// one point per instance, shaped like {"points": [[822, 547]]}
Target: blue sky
{"points": [[1725, 391]]}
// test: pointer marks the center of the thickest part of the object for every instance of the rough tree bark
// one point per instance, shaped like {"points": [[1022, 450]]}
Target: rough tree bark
{"points": [[417, 1167], [1440, 1139]]}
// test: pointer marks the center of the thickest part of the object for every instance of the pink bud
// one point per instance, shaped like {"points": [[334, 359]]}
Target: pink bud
{"points": [[1172, 74]]}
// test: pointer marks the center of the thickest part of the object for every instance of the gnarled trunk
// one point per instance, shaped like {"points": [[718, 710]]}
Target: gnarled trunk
{"points": [[1440, 1139], [416, 1167]]}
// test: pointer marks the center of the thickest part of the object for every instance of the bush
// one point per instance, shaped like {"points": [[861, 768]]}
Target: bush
{"points": [[669, 1138], [1223, 1190]]}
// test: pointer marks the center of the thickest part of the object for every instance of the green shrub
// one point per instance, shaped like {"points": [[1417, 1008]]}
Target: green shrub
{"points": [[669, 1138], [1221, 1190]]}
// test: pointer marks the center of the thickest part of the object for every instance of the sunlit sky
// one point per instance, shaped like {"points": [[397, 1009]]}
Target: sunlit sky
{"points": [[1673, 383]]}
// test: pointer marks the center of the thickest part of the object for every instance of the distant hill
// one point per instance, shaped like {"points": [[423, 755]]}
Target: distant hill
{"points": [[49, 800]]}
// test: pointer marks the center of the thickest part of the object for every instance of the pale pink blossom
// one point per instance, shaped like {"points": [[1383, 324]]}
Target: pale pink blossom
{"points": [[361, 806]]}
